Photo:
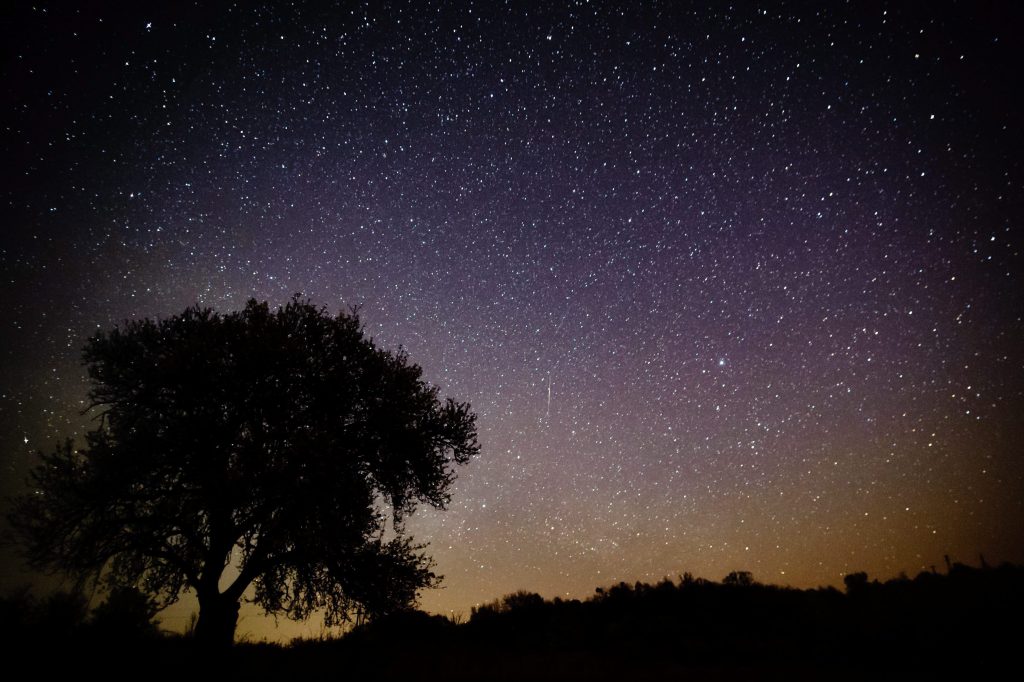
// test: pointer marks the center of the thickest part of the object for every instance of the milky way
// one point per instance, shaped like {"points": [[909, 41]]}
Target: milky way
{"points": [[728, 288]]}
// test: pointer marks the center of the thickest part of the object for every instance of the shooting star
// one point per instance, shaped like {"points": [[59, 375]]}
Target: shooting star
{"points": [[549, 396]]}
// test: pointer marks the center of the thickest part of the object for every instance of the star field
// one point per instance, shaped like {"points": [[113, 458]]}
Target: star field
{"points": [[730, 288]]}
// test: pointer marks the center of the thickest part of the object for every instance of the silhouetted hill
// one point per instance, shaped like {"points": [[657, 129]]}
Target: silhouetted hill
{"points": [[965, 622]]}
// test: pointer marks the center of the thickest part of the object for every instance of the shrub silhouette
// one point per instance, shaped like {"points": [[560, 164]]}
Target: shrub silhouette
{"points": [[127, 613], [62, 614]]}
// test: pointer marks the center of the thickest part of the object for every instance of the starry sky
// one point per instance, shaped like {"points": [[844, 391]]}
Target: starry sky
{"points": [[729, 287]]}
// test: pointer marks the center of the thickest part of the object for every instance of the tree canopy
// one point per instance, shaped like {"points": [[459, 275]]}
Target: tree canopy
{"points": [[283, 443]]}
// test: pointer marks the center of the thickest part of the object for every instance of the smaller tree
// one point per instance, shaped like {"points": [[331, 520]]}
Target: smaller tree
{"points": [[856, 583], [739, 579], [126, 613]]}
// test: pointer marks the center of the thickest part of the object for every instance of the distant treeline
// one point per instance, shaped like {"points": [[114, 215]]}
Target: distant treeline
{"points": [[965, 619], [967, 615]]}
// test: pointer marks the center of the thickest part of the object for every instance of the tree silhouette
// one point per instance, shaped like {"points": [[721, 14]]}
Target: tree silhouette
{"points": [[282, 445], [739, 579]]}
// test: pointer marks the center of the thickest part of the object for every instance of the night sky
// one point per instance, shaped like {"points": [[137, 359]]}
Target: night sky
{"points": [[730, 288]]}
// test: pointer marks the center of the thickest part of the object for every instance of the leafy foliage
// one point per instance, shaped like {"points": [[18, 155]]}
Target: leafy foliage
{"points": [[271, 440]]}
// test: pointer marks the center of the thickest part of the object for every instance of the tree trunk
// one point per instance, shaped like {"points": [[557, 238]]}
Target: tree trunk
{"points": [[218, 616]]}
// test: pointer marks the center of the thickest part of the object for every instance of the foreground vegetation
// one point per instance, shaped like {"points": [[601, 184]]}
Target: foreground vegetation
{"points": [[962, 622]]}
